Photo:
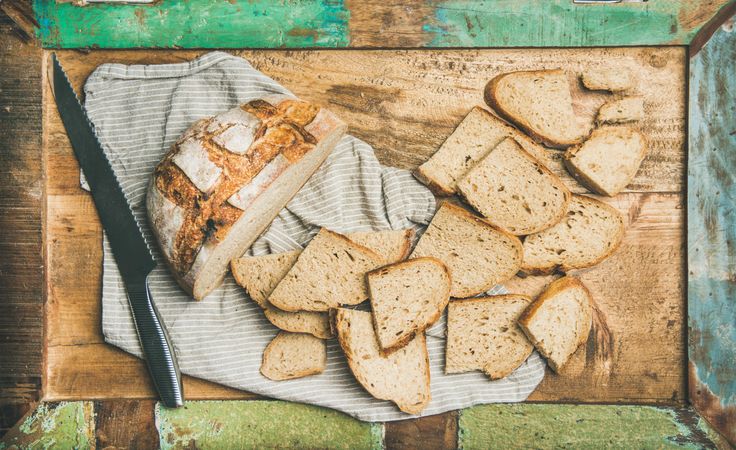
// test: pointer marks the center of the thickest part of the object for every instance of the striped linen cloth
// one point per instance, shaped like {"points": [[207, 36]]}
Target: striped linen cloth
{"points": [[139, 111]]}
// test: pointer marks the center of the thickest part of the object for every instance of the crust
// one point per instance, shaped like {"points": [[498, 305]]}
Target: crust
{"points": [[489, 95], [552, 290], [408, 238], [564, 268], [410, 409], [589, 182], [419, 330], [301, 374], [561, 186]]}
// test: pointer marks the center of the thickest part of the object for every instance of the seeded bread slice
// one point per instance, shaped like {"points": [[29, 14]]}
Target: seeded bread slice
{"points": [[607, 79], [627, 109], [482, 334], [540, 103], [259, 275], [590, 232], [478, 134], [329, 272], [515, 191], [478, 255], [559, 321], [608, 161], [401, 377], [406, 298], [293, 355]]}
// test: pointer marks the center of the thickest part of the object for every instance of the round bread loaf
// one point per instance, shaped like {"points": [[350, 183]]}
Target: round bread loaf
{"points": [[226, 179]]}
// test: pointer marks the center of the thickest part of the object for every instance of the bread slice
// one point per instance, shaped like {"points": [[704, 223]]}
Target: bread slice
{"points": [[293, 355], [607, 79], [482, 334], [627, 109], [478, 255], [393, 245], [590, 232], [406, 298], [515, 191], [608, 161], [540, 103], [559, 321], [478, 134], [329, 272], [401, 377], [259, 275]]}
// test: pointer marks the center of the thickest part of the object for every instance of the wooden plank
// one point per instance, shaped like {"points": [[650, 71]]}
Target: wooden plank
{"points": [[581, 427], [21, 201], [101, 371], [371, 23], [121, 424], [54, 425], [712, 231], [426, 433], [405, 103]]}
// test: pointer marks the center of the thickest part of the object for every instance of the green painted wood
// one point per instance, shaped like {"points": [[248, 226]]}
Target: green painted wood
{"points": [[579, 427], [562, 23], [712, 231], [262, 424], [194, 23], [328, 23], [53, 425]]}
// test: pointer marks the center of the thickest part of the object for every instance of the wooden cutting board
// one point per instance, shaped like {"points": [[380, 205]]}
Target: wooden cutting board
{"points": [[405, 103]]}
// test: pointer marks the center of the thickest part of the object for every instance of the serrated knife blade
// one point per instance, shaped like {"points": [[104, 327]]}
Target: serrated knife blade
{"points": [[132, 255]]}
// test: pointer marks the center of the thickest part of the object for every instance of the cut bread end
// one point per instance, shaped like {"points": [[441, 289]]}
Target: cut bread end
{"points": [[293, 355]]}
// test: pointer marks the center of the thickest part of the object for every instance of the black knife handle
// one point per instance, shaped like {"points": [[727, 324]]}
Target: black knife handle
{"points": [[160, 356]]}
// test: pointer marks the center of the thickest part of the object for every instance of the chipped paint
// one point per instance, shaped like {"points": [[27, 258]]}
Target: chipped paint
{"points": [[579, 426], [712, 232], [262, 424], [194, 24], [54, 425], [562, 23]]}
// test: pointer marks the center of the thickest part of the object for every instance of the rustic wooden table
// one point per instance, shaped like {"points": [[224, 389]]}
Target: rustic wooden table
{"points": [[662, 350]]}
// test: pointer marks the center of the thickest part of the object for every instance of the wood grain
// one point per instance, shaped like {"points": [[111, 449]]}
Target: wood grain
{"points": [[21, 201], [126, 424], [426, 433], [405, 103]]}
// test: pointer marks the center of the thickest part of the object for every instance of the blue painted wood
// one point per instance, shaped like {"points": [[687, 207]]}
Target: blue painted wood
{"points": [[712, 231]]}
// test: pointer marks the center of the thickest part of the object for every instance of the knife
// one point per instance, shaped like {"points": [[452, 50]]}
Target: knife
{"points": [[132, 254]]}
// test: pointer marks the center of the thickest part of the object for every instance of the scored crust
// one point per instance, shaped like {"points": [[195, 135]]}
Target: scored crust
{"points": [[277, 142]]}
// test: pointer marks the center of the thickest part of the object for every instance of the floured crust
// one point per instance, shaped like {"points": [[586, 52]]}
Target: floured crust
{"points": [[202, 186]]}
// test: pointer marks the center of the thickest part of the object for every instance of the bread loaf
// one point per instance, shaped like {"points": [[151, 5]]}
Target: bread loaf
{"points": [[227, 177]]}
